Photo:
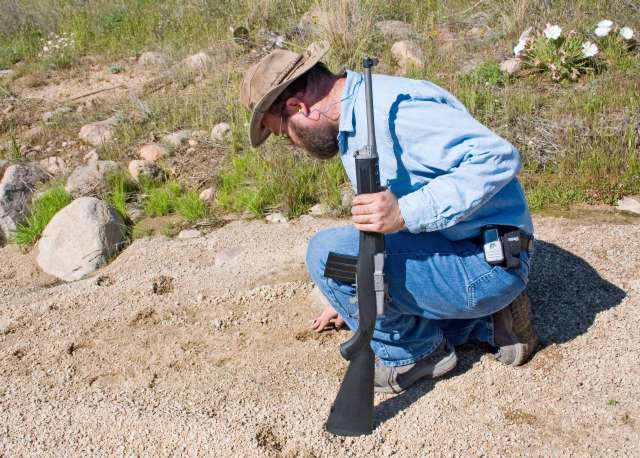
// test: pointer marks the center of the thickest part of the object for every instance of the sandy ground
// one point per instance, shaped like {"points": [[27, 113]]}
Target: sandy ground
{"points": [[217, 358]]}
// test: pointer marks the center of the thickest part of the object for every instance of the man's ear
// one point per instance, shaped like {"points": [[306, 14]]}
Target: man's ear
{"points": [[296, 105]]}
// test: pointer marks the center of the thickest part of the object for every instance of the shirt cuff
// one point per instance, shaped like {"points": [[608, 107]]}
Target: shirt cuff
{"points": [[411, 206]]}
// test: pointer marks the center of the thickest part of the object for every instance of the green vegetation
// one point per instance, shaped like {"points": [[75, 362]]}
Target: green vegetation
{"points": [[160, 199], [190, 207], [121, 189], [42, 210], [574, 120]]}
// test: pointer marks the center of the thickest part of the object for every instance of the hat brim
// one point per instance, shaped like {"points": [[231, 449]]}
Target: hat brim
{"points": [[257, 132]]}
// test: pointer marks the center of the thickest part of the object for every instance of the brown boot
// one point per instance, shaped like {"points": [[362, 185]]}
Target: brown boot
{"points": [[513, 332]]}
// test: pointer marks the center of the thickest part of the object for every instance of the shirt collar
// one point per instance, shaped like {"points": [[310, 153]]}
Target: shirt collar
{"points": [[351, 87]]}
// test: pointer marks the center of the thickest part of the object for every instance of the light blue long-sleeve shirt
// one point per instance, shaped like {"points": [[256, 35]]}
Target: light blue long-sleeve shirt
{"points": [[449, 172]]}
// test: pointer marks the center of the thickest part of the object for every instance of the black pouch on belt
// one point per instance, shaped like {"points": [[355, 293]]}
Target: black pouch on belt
{"points": [[511, 245]]}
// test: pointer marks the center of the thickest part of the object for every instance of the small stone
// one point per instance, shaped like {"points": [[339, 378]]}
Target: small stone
{"points": [[152, 152], [207, 195], [629, 204], [217, 324], [91, 157], [192, 142], [189, 234], [220, 132], [319, 210], [54, 165], [152, 59], [408, 54], [276, 218], [511, 66], [98, 132], [135, 213], [148, 169], [176, 139], [199, 62], [33, 134], [8, 73], [90, 179]]}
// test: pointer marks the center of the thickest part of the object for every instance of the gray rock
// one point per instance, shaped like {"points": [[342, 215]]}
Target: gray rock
{"points": [[319, 210], [176, 139], [135, 213], [199, 62], [408, 54], [90, 179], [629, 204], [6, 73], [99, 132], [147, 169], [395, 30], [207, 195], [80, 239], [54, 165], [511, 66], [189, 234], [16, 193], [220, 132], [151, 152], [91, 157], [152, 59], [276, 218]]}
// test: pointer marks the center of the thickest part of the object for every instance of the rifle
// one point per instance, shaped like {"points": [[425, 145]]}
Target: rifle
{"points": [[352, 411]]}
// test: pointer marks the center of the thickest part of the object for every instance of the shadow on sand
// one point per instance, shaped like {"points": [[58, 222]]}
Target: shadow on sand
{"points": [[566, 293]]}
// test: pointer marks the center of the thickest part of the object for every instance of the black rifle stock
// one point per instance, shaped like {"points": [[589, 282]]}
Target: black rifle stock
{"points": [[352, 411]]}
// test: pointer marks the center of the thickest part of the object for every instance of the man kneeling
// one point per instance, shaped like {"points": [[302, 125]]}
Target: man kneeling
{"points": [[449, 181]]}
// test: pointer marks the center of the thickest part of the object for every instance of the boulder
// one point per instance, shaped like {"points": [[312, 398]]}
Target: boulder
{"points": [[80, 239], [199, 62], [16, 193], [90, 179], [220, 132], [629, 204], [91, 157], [408, 54], [511, 66], [54, 165], [151, 152], [99, 132], [395, 30], [176, 139], [152, 59], [207, 195], [147, 169]]}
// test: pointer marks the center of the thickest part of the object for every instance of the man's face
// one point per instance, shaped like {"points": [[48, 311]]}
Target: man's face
{"points": [[315, 134]]}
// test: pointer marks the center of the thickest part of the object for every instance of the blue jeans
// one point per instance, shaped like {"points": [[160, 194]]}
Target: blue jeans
{"points": [[438, 288]]}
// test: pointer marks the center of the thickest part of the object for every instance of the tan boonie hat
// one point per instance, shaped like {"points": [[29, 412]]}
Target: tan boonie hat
{"points": [[266, 80]]}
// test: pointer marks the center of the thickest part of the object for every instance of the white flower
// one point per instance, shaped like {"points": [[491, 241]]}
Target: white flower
{"points": [[45, 49], [602, 32], [552, 32], [605, 24], [626, 33], [589, 49], [517, 50]]}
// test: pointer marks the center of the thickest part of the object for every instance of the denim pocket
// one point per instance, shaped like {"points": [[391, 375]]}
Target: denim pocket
{"points": [[493, 289]]}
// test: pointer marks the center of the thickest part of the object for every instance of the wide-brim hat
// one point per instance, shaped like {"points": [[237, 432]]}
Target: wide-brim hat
{"points": [[266, 80]]}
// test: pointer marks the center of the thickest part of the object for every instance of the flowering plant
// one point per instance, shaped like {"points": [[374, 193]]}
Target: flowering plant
{"points": [[614, 41], [561, 56], [58, 50]]}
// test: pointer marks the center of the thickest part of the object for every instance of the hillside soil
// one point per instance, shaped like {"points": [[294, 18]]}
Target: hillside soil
{"points": [[203, 347]]}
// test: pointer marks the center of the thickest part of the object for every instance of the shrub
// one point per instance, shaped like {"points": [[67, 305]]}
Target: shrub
{"points": [[42, 210]]}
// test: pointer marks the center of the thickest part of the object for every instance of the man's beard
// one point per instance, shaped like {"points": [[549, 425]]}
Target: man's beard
{"points": [[320, 141]]}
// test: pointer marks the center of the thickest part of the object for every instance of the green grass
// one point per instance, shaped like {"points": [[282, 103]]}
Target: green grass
{"points": [[160, 199], [42, 210], [121, 189], [190, 207]]}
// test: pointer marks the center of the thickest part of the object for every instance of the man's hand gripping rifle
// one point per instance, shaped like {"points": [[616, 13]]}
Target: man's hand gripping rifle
{"points": [[352, 411]]}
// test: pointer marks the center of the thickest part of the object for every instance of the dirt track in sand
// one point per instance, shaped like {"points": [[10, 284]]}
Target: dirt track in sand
{"points": [[222, 362]]}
